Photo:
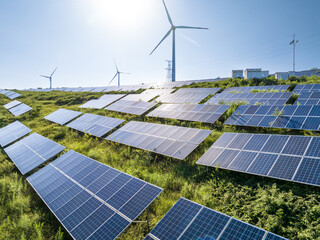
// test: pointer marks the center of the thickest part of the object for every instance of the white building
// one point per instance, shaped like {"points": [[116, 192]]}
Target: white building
{"points": [[237, 73], [255, 73], [281, 75], [306, 73]]}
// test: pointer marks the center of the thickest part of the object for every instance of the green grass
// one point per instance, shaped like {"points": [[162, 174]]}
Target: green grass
{"points": [[289, 209]]}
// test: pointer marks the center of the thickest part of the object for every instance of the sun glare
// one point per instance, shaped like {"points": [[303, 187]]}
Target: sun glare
{"points": [[126, 14]]}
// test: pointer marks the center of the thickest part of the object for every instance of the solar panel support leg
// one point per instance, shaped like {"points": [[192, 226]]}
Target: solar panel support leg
{"points": [[148, 219]]}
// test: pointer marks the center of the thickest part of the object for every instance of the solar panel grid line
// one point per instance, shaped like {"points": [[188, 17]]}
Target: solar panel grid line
{"points": [[195, 216], [224, 228], [278, 156], [303, 156], [257, 154]]}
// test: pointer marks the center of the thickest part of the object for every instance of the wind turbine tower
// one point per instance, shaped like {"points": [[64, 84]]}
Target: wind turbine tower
{"points": [[173, 30], [118, 73], [169, 71], [50, 77], [294, 43]]}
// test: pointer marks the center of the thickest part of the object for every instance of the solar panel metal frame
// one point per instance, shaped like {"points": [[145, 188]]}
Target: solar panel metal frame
{"points": [[193, 211], [20, 109], [288, 119], [62, 116], [38, 158], [12, 132], [162, 139], [132, 107], [190, 112], [90, 122], [223, 143], [93, 195]]}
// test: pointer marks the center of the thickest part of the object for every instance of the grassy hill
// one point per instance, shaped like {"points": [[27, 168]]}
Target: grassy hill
{"points": [[289, 209]]}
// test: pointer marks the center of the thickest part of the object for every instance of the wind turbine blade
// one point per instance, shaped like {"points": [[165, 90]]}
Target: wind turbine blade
{"points": [[44, 76], [113, 78], [165, 36], [169, 18], [191, 27], [115, 65], [124, 73], [53, 71]]}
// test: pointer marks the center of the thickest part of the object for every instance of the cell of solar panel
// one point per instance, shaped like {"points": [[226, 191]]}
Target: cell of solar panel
{"points": [[62, 116], [133, 107], [20, 109], [262, 164], [102, 101], [308, 171], [190, 112], [81, 211], [256, 142], [189, 220], [32, 151], [12, 132], [285, 167], [242, 161], [95, 125], [12, 104], [239, 141], [177, 142], [296, 145]]}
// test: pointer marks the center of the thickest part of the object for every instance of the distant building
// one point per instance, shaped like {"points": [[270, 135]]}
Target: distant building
{"points": [[306, 73], [255, 73], [281, 75], [237, 73]]}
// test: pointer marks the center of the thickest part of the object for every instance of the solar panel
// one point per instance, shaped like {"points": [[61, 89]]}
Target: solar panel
{"points": [[187, 95], [13, 95], [98, 89], [132, 107], [190, 220], [308, 98], [102, 101], [268, 98], [20, 109], [31, 151], [95, 125], [190, 112], [12, 104], [147, 95], [91, 199], [177, 142], [62, 116], [291, 158], [259, 88], [306, 88], [277, 116], [12, 132]]}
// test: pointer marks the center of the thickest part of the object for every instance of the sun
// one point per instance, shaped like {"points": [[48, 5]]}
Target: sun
{"points": [[121, 13]]}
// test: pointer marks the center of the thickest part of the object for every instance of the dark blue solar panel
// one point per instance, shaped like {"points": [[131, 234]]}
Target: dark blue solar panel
{"points": [[242, 161], [267, 121], [302, 111], [278, 156], [311, 123], [254, 121], [308, 171], [256, 142], [285, 167], [296, 145], [176, 220], [78, 208], [295, 122], [208, 224], [237, 230]]}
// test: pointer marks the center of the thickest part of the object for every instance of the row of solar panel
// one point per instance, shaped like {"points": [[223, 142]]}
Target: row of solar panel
{"points": [[304, 117], [306, 88], [93, 200], [17, 108], [292, 158], [279, 88], [308, 98]]}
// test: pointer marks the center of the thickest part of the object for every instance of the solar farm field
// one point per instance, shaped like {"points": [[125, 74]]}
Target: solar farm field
{"points": [[268, 205]]}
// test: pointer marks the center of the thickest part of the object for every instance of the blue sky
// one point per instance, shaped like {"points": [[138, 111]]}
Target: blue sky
{"points": [[81, 37]]}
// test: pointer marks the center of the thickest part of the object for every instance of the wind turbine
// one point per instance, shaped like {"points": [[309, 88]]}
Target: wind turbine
{"points": [[173, 30], [50, 77], [117, 74]]}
